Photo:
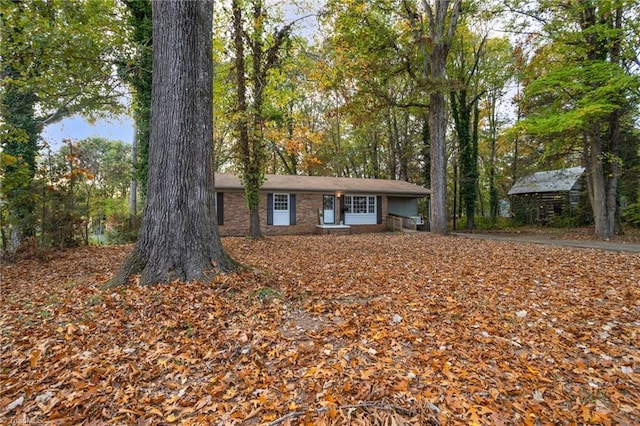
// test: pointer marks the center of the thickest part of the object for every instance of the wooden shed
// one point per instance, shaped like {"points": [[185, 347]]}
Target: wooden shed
{"points": [[539, 197]]}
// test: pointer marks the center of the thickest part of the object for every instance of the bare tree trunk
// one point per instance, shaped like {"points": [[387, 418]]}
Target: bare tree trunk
{"points": [[179, 238], [437, 134], [434, 42], [602, 181], [595, 175], [455, 193], [493, 191], [442, 26]]}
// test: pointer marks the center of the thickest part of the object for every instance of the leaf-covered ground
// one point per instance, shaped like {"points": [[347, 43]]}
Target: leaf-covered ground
{"points": [[367, 329]]}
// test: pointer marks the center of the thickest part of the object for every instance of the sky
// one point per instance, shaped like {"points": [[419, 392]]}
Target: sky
{"points": [[78, 128]]}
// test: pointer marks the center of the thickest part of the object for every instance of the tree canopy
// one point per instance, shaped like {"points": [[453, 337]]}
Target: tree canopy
{"points": [[58, 60], [463, 97]]}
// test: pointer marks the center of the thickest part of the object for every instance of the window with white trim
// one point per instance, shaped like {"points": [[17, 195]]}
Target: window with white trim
{"points": [[360, 204]]}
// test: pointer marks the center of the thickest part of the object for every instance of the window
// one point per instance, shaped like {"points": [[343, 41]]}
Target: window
{"points": [[362, 209], [574, 198], [281, 202], [360, 204]]}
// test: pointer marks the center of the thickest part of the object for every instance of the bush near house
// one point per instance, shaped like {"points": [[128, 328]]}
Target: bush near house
{"points": [[631, 214]]}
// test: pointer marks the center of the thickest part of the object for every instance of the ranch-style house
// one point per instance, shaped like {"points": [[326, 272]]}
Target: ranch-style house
{"points": [[291, 204]]}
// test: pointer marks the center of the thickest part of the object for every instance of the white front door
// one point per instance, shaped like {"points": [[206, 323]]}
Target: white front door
{"points": [[281, 209], [329, 209]]}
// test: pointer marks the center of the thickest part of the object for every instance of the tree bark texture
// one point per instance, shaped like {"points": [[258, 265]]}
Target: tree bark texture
{"points": [[178, 239], [133, 186], [437, 127], [442, 25]]}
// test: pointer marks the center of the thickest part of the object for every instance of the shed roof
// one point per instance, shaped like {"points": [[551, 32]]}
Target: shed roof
{"points": [[549, 181], [296, 183]]}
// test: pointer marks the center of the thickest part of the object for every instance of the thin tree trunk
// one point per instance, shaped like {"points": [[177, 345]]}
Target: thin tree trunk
{"points": [[251, 187], [133, 186], [455, 193], [514, 166], [493, 191], [613, 173]]}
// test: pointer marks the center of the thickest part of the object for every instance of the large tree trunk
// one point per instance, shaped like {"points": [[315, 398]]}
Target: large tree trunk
{"points": [[437, 135], [597, 187], [602, 178], [604, 145], [602, 188], [442, 26], [178, 239]]}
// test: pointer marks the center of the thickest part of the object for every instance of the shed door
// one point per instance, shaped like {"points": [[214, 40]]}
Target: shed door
{"points": [[281, 209], [329, 209]]}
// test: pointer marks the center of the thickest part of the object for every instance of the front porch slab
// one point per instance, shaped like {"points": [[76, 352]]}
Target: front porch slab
{"points": [[332, 229]]}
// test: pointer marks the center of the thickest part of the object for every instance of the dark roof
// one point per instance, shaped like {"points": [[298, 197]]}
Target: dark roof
{"points": [[295, 183], [549, 181]]}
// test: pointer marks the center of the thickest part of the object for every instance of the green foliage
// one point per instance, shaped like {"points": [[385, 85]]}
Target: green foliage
{"points": [[267, 294], [582, 94], [487, 223], [631, 214], [117, 229], [564, 221], [62, 54], [580, 89], [78, 194], [19, 145], [58, 61], [18, 199], [137, 73]]}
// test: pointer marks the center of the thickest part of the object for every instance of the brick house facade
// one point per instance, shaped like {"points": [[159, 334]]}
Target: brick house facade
{"points": [[304, 198]]}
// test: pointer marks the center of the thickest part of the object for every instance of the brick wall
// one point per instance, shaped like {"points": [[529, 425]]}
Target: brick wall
{"points": [[236, 216]]}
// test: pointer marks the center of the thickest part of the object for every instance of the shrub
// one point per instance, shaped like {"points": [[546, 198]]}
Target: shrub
{"points": [[564, 221], [119, 231], [631, 214], [485, 223]]}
